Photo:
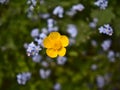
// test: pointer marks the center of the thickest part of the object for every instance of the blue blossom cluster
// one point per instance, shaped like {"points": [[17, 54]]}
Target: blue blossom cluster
{"points": [[102, 4], [106, 29], [22, 78], [32, 49]]}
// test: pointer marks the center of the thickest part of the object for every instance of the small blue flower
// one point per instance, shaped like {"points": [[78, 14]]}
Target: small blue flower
{"points": [[35, 32], [44, 64], [61, 60], [111, 56], [23, 78], [58, 11], [57, 86], [74, 9], [44, 73], [94, 67], [72, 30], [37, 58], [106, 29], [106, 44], [100, 81], [32, 49], [102, 4], [78, 7]]}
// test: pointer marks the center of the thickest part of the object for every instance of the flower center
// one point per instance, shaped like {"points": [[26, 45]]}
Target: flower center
{"points": [[57, 45]]}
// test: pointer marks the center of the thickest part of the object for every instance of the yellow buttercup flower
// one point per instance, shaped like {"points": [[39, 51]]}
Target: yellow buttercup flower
{"points": [[55, 44]]}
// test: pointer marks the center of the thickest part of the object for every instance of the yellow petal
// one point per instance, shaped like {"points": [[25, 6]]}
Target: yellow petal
{"points": [[62, 51], [47, 43], [64, 40], [54, 36], [51, 53]]}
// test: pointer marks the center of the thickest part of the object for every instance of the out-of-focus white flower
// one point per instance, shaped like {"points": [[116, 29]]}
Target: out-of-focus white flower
{"points": [[44, 30], [42, 35], [34, 2], [94, 43], [58, 11], [93, 24], [61, 60], [78, 7], [51, 25], [107, 77], [72, 30], [74, 9], [106, 44], [3, 1], [35, 32], [111, 56], [28, 2], [50, 22], [55, 28], [71, 12], [31, 8], [117, 54], [42, 1], [37, 58], [23, 78], [95, 20], [29, 14], [32, 49], [100, 81], [44, 64], [25, 45], [72, 41], [57, 86], [102, 4], [106, 29], [44, 73], [94, 67], [39, 41], [44, 16]]}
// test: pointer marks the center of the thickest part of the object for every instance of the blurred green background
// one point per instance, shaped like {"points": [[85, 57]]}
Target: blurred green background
{"points": [[76, 73]]}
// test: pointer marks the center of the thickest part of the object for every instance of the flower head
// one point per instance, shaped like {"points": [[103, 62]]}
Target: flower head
{"points": [[106, 29], [32, 49], [102, 4], [22, 78], [58, 11], [106, 44], [55, 44]]}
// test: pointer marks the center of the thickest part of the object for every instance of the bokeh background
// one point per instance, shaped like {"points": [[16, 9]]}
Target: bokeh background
{"points": [[88, 66]]}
